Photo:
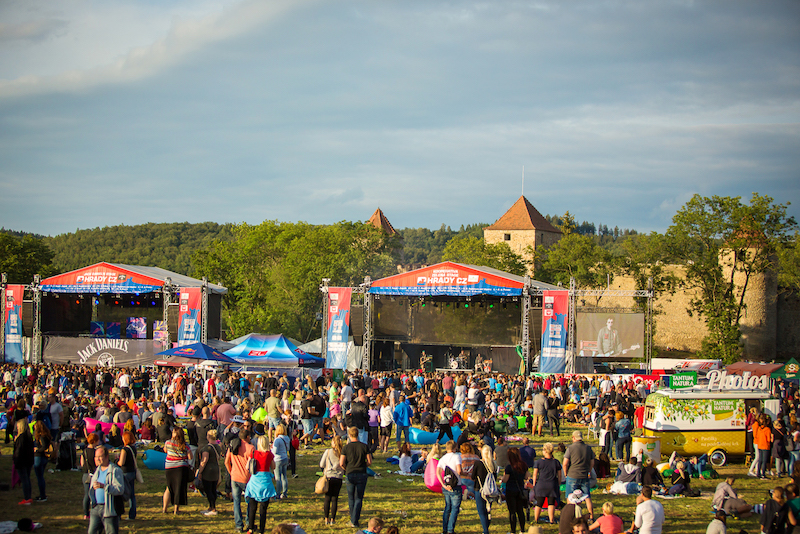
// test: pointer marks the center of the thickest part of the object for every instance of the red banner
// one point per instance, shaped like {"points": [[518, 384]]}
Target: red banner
{"points": [[189, 327], [12, 319]]}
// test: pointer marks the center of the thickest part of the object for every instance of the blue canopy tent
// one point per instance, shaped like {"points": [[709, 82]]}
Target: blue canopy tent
{"points": [[259, 350], [192, 354]]}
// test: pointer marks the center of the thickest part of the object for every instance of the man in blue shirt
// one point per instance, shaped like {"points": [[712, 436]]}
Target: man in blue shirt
{"points": [[624, 439], [402, 417]]}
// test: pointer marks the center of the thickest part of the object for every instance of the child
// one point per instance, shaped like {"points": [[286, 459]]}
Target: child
{"points": [[373, 527], [608, 523]]}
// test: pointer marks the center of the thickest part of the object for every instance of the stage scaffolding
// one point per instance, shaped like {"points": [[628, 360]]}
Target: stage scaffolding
{"points": [[529, 293]]}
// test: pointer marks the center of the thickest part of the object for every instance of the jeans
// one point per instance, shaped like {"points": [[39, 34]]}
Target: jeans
{"points": [[356, 486], [86, 502], [483, 514], [699, 467], [577, 483], [102, 525], [25, 480], [781, 466], [130, 480], [39, 465], [452, 505], [624, 443], [763, 462], [404, 431], [795, 456], [281, 480], [238, 494], [419, 466], [469, 484]]}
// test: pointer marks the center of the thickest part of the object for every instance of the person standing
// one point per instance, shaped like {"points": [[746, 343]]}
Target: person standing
{"points": [[354, 460], [272, 406], [41, 441], [482, 469], [516, 473], [402, 417], [624, 438], [176, 466], [577, 465], [334, 473], [280, 450], [260, 488], [209, 470], [546, 483], [448, 472], [649, 514], [539, 412], [24, 458], [236, 464], [108, 485], [608, 340], [127, 463]]}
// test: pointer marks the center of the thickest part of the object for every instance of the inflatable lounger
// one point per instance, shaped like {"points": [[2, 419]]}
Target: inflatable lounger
{"points": [[420, 437], [92, 423], [154, 459]]}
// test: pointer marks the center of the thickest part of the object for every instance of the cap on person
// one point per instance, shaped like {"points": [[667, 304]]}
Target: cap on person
{"points": [[577, 434]]}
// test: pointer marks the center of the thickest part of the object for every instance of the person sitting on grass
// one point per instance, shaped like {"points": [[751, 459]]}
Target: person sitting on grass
{"points": [[609, 522], [374, 526], [727, 500]]}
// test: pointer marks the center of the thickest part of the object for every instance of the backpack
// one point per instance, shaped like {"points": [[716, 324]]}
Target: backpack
{"points": [[489, 490]]}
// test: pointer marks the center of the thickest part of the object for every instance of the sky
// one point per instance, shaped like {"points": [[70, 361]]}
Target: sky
{"points": [[242, 111]]}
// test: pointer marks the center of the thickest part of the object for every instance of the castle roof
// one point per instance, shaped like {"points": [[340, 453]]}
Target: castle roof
{"points": [[379, 220], [523, 216]]}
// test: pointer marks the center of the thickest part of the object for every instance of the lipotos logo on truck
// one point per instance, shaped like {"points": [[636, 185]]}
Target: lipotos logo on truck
{"points": [[722, 381]]}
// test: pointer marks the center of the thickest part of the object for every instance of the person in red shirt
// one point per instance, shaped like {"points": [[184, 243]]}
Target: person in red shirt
{"points": [[260, 488]]}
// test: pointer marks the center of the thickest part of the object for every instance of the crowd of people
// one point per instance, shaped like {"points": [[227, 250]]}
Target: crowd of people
{"points": [[237, 435]]}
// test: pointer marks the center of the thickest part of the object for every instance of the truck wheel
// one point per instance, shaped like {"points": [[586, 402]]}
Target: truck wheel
{"points": [[718, 458]]}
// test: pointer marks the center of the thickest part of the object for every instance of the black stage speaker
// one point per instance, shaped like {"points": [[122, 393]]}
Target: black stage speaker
{"points": [[357, 324], [27, 318]]}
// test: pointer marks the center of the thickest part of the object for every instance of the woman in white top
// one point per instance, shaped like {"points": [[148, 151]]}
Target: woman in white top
{"points": [[387, 419], [334, 473], [461, 395]]}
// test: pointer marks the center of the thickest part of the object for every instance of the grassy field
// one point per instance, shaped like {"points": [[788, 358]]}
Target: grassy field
{"points": [[399, 500]]}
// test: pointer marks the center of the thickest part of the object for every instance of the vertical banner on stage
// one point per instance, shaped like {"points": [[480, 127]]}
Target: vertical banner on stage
{"points": [[338, 330], [555, 305], [189, 325], [13, 323]]}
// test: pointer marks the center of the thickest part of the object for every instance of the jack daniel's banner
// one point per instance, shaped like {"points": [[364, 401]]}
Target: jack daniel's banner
{"points": [[100, 352]]}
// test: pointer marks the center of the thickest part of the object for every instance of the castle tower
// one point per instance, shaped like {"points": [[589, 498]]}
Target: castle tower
{"points": [[379, 220], [520, 227]]}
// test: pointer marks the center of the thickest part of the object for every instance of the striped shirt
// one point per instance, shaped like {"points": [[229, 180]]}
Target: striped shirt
{"points": [[176, 457]]}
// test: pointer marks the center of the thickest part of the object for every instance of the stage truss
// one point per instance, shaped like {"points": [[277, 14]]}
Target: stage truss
{"points": [[528, 295]]}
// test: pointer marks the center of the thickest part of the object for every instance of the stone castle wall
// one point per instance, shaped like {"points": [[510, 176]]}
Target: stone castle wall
{"points": [[521, 240]]}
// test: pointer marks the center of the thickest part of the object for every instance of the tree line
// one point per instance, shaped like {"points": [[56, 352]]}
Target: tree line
{"points": [[273, 270]]}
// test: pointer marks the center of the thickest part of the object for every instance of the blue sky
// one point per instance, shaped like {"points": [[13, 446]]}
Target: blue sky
{"points": [[241, 111]]}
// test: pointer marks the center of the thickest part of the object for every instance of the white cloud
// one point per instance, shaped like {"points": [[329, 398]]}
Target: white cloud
{"points": [[128, 44]]}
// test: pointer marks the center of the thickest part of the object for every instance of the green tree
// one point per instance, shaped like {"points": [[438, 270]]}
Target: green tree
{"points": [[273, 271], [723, 243], [575, 256], [21, 258], [473, 250]]}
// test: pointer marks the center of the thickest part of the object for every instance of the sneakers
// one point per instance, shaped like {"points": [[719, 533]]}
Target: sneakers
{"points": [[25, 502], [295, 475], [41, 499], [209, 513]]}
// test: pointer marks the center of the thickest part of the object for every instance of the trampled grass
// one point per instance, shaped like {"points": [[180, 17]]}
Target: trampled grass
{"points": [[400, 500]]}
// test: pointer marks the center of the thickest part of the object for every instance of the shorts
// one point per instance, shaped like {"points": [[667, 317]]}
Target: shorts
{"points": [[538, 420], [308, 426], [274, 422], [386, 430]]}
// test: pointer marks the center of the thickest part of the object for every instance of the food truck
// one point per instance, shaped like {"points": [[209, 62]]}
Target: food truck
{"points": [[706, 419]]}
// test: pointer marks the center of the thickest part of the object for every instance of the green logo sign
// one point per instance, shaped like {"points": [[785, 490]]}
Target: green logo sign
{"points": [[683, 380]]}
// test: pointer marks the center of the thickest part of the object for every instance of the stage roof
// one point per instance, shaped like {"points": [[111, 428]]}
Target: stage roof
{"points": [[456, 280], [118, 278]]}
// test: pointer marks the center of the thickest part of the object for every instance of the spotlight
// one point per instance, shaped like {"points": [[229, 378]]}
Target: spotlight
{"points": [[491, 305], [466, 304], [153, 303], [77, 302], [96, 302], [116, 302]]}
